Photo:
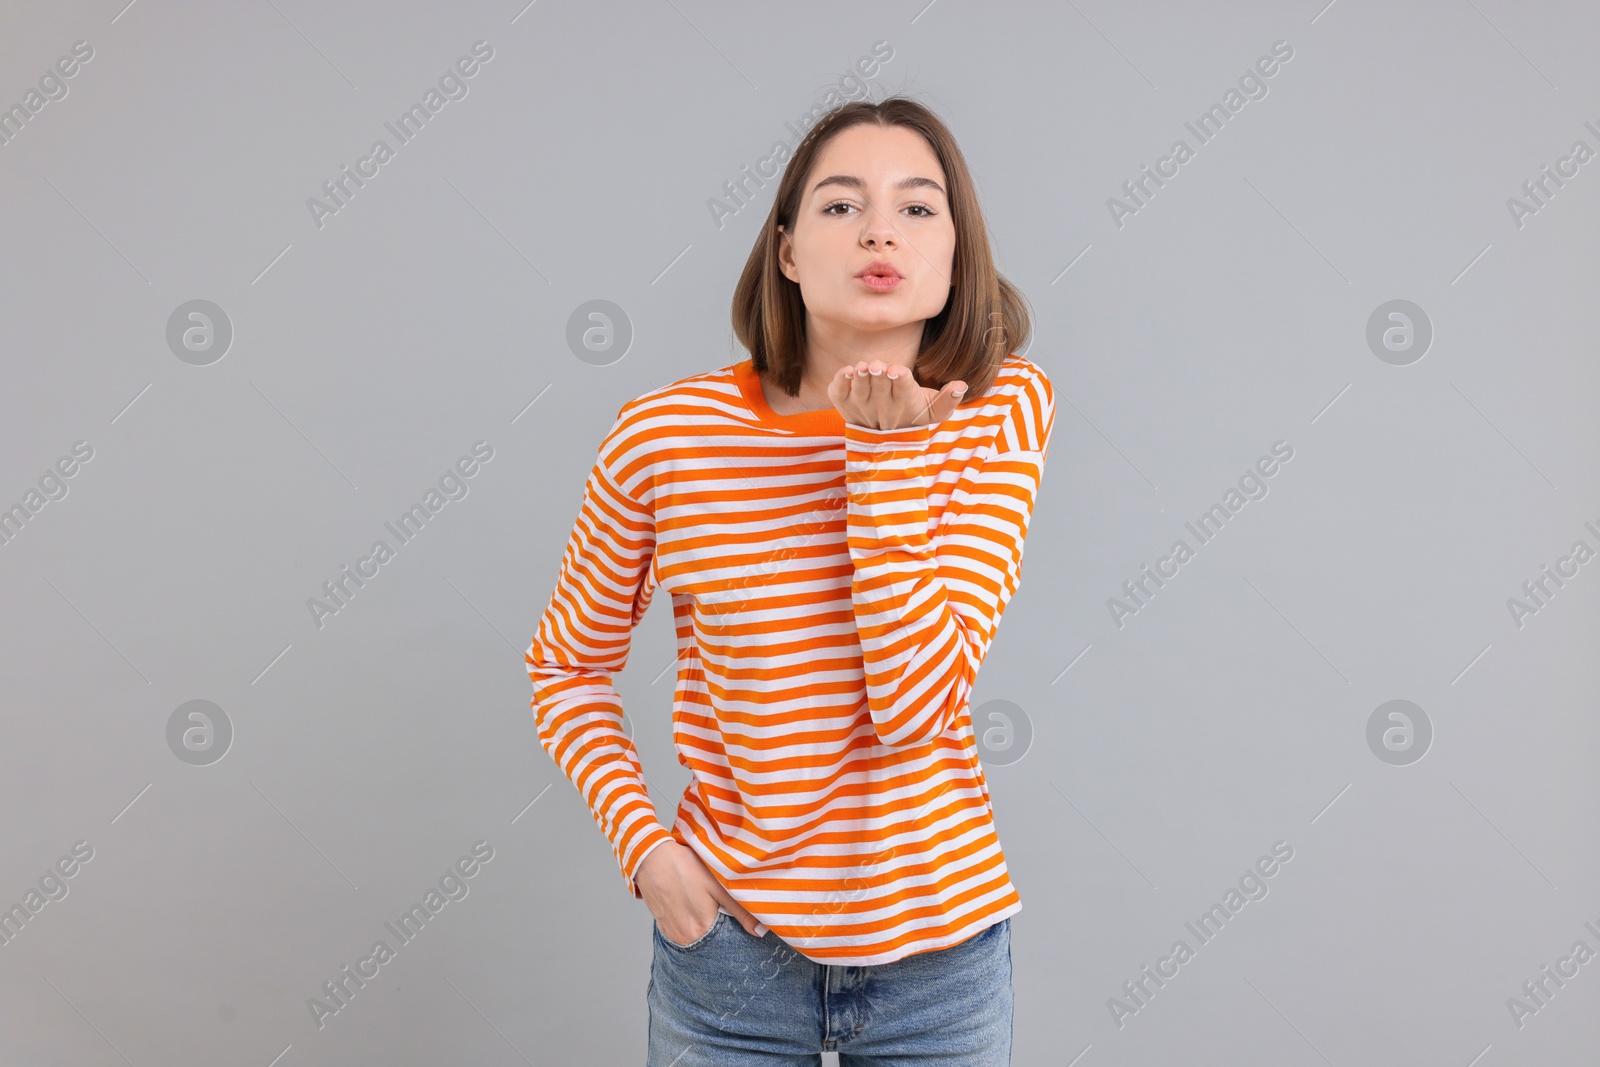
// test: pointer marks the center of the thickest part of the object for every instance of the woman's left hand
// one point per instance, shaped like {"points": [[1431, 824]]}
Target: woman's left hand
{"points": [[885, 396]]}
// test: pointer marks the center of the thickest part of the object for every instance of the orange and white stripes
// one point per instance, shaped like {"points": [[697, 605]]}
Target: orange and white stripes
{"points": [[834, 590]]}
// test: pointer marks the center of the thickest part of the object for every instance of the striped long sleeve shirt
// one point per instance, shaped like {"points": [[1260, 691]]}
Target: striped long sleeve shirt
{"points": [[834, 589]]}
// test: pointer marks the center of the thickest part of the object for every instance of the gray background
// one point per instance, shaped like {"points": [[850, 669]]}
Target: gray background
{"points": [[432, 312]]}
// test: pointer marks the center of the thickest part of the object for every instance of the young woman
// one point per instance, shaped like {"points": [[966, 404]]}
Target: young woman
{"points": [[839, 521]]}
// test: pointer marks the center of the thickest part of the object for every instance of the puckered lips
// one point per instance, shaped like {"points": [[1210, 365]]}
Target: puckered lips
{"points": [[880, 276]]}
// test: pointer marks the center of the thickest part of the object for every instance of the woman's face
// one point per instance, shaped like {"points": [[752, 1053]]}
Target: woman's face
{"points": [[874, 194]]}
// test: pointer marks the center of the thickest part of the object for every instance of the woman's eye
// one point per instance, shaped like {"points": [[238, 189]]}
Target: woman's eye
{"points": [[925, 211]]}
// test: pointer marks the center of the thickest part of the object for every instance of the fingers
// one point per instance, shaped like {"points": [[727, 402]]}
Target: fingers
{"points": [[944, 405], [883, 393], [874, 380], [754, 927], [745, 919], [860, 383], [839, 387]]}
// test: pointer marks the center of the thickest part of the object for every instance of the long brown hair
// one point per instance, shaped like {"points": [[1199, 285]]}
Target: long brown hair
{"points": [[985, 318]]}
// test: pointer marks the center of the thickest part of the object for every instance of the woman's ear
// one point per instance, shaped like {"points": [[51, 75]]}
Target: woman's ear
{"points": [[784, 267]]}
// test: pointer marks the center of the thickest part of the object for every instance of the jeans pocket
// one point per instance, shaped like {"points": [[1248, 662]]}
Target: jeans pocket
{"points": [[716, 924]]}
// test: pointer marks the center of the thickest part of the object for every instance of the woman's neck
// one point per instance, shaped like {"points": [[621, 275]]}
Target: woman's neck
{"points": [[812, 397]]}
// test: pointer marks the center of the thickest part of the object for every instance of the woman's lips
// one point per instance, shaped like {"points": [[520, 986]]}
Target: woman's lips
{"points": [[880, 283]]}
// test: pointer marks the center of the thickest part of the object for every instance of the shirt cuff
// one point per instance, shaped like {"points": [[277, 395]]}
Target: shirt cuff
{"points": [[867, 439], [629, 876]]}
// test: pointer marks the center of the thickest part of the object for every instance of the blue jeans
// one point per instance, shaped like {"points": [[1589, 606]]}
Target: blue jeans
{"points": [[734, 1000]]}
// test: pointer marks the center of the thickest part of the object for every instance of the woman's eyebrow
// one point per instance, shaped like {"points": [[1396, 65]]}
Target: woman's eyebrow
{"points": [[856, 183]]}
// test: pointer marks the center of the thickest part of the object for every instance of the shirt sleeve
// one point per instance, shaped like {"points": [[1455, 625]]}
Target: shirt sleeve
{"points": [[927, 607], [581, 643]]}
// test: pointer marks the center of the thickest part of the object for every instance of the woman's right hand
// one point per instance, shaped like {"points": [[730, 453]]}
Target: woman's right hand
{"points": [[683, 895]]}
